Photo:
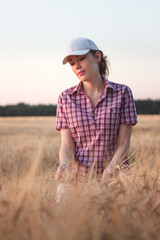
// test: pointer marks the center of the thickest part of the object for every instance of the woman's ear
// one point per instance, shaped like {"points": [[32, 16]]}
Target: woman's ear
{"points": [[98, 56]]}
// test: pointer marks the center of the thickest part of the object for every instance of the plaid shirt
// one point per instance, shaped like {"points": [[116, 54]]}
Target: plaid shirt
{"points": [[95, 130]]}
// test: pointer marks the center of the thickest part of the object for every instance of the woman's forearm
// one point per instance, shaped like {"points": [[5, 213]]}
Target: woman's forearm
{"points": [[123, 145], [66, 154], [66, 157], [119, 155]]}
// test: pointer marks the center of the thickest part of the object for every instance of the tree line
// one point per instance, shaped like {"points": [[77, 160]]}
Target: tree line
{"points": [[22, 109]]}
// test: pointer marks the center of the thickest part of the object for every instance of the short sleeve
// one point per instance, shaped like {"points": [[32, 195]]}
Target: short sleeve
{"points": [[128, 110], [61, 121]]}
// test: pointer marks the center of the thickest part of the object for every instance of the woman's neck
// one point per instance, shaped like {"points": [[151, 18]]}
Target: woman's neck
{"points": [[95, 86], [93, 89]]}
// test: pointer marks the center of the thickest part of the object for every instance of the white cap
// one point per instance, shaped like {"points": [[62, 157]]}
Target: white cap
{"points": [[79, 46]]}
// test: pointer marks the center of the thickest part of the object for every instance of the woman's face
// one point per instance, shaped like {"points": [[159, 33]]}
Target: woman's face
{"points": [[85, 67]]}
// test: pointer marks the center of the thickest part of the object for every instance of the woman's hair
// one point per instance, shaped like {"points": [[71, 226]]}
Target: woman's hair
{"points": [[103, 64]]}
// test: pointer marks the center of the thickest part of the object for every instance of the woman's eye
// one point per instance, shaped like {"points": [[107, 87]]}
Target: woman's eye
{"points": [[82, 58], [71, 64]]}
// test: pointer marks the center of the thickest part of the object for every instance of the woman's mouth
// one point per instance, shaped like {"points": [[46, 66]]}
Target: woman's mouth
{"points": [[81, 73]]}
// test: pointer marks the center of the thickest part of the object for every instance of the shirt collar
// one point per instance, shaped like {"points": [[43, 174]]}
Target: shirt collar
{"points": [[78, 88], [109, 84]]}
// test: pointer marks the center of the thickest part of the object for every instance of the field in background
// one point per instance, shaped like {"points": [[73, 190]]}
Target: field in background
{"points": [[128, 207]]}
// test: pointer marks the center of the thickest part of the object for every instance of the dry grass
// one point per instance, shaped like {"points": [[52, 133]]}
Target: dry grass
{"points": [[126, 208]]}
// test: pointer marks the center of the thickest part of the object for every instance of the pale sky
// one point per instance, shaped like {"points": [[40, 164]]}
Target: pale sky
{"points": [[34, 35]]}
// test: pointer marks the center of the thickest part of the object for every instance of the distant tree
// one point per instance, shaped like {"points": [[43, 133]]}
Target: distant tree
{"points": [[21, 109], [148, 106]]}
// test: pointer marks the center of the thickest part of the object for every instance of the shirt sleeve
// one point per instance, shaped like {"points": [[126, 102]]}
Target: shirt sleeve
{"points": [[61, 120], [128, 110]]}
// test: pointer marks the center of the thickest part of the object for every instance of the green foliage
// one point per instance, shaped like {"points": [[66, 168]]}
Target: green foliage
{"points": [[143, 107], [23, 109], [148, 106]]}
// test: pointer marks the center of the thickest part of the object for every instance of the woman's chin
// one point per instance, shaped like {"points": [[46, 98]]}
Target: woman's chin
{"points": [[83, 79]]}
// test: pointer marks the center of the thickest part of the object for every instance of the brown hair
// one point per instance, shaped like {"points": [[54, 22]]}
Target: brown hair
{"points": [[103, 64]]}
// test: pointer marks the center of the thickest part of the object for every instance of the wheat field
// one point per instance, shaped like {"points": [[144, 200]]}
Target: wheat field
{"points": [[126, 207]]}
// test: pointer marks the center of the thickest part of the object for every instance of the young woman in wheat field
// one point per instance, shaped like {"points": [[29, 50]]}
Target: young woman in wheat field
{"points": [[95, 117]]}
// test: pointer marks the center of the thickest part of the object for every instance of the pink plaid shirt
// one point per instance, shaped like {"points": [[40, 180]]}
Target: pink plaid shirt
{"points": [[95, 130]]}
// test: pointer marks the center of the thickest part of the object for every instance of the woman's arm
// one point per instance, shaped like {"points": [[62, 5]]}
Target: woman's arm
{"points": [[66, 153], [122, 149]]}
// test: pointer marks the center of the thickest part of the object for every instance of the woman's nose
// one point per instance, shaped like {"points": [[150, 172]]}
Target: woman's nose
{"points": [[78, 65]]}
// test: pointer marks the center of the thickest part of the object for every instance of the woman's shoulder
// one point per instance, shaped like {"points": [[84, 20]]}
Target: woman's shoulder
{"points": [[68, 91], [118, 86]]}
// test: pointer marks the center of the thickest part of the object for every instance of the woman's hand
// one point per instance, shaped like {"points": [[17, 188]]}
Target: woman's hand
{"points": [[109, 173], [61, 171], [59, 174], [74, 171]]}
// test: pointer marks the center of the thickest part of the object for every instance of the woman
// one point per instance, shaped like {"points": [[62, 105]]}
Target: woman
{"points": [[95, 118]]}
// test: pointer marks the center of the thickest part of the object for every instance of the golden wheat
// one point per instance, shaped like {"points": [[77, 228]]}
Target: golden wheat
{"points": [[127, 207]]}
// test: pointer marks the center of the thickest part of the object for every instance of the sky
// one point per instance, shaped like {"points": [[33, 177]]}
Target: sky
{"points": [[34, 35]]}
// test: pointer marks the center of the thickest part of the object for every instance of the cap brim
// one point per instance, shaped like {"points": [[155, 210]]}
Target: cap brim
{"points": [[75, 53]]}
